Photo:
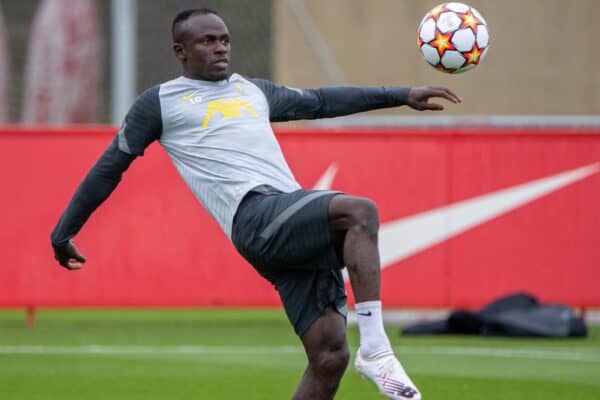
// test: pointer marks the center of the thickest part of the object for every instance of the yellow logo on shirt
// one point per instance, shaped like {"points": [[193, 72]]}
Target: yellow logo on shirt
{"points": [[193, 97], [228, 108], [240, 88]]}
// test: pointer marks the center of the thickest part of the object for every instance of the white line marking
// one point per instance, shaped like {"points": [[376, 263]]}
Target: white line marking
{"points": [[527, 353], [581, 355], [150, 350]]}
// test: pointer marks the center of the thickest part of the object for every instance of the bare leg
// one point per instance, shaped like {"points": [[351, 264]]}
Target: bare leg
{"points": [[327, 352], [354, 223]]}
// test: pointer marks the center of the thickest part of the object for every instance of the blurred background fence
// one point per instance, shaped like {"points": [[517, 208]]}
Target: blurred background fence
{"points": [[541, 61], [249, 21]]}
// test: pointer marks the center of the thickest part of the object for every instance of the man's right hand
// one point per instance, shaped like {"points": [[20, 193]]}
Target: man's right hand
{"points": [[68, 256]]}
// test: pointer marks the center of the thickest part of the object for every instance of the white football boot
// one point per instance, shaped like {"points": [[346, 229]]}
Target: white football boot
{"points": [[389, 376]]}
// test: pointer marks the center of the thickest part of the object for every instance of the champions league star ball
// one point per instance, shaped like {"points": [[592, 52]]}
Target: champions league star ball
{"points": [[453, 37]]}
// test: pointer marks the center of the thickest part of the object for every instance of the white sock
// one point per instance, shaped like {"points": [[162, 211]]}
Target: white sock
{"points": [[374, 342]]}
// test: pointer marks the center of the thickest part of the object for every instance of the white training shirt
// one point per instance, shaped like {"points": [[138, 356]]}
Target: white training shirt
{"points": [[219, 137]]}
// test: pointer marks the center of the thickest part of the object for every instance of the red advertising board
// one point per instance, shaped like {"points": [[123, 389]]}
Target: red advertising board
{"points": [[466, 215]]}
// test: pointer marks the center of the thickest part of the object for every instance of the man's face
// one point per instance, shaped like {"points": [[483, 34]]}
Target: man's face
{"points": [[204, 51]]}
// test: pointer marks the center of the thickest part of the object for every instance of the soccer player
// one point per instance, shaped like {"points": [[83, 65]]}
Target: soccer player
{"points": [[216, 129]]}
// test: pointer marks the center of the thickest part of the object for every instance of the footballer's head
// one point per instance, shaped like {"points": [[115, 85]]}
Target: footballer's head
{"points": [[201, 42]]}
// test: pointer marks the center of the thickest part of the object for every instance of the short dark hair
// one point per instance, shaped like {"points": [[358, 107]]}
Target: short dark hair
{"points": [[183, 16]]}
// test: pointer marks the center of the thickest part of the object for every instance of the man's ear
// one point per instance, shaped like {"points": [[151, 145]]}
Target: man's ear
{"points": [[179, 51]]}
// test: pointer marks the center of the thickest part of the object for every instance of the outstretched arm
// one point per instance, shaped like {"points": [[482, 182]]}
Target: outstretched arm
{"points": [[288, 104], [97, 186], [143, 125]]}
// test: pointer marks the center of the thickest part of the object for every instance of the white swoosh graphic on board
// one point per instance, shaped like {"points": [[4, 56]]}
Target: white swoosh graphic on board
{"points": [[404, 237]]}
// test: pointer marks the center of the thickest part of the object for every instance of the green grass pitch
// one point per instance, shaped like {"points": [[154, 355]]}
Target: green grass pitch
{"points": [[249, 354]]}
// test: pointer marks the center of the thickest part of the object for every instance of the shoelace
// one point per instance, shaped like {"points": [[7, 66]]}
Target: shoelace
{"points": [[388, 367]]}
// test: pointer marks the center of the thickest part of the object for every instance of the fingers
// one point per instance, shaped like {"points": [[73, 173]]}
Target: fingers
{"points": [[428, 92], [433, 107], [446, 94], [452, 96], [72, 252], [69, 257], [77, 256], [73, 264]]}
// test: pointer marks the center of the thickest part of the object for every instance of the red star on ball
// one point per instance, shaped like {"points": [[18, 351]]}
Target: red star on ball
{"points": [[442, 42], [469, 21], [435, 12], [473, 56]]}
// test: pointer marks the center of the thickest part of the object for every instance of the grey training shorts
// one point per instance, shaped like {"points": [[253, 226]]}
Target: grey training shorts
{"points": [[285, 236]]}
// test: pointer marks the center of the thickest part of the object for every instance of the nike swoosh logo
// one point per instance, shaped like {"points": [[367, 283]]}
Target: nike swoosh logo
{"points": [[404, 237], [367, 314], [324, 183]]}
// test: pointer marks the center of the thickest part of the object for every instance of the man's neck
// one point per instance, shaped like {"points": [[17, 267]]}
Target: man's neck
{"points": [[202, 78]]}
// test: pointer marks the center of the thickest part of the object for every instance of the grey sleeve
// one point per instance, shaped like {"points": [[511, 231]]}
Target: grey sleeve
{"points": [[288, 104], [142, 126], [99, 183]]}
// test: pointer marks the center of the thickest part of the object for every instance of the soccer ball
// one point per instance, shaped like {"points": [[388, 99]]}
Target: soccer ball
{"points": [[453, 37]]}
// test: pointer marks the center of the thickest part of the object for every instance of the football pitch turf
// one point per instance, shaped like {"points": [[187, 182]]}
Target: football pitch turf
{"points": [[250, 354]]}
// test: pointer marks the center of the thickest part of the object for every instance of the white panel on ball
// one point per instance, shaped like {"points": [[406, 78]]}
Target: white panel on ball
{"points": [[430, 54], [457, 7], [427, 32], [463, 39], [453, 59], [483, 36], [448, 21]]}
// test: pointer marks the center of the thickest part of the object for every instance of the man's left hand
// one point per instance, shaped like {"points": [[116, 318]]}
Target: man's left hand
{"points": [[418, 98]]}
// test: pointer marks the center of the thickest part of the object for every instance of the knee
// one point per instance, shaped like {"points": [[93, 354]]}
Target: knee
{"points": [[365, 215], [332, 363]]}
